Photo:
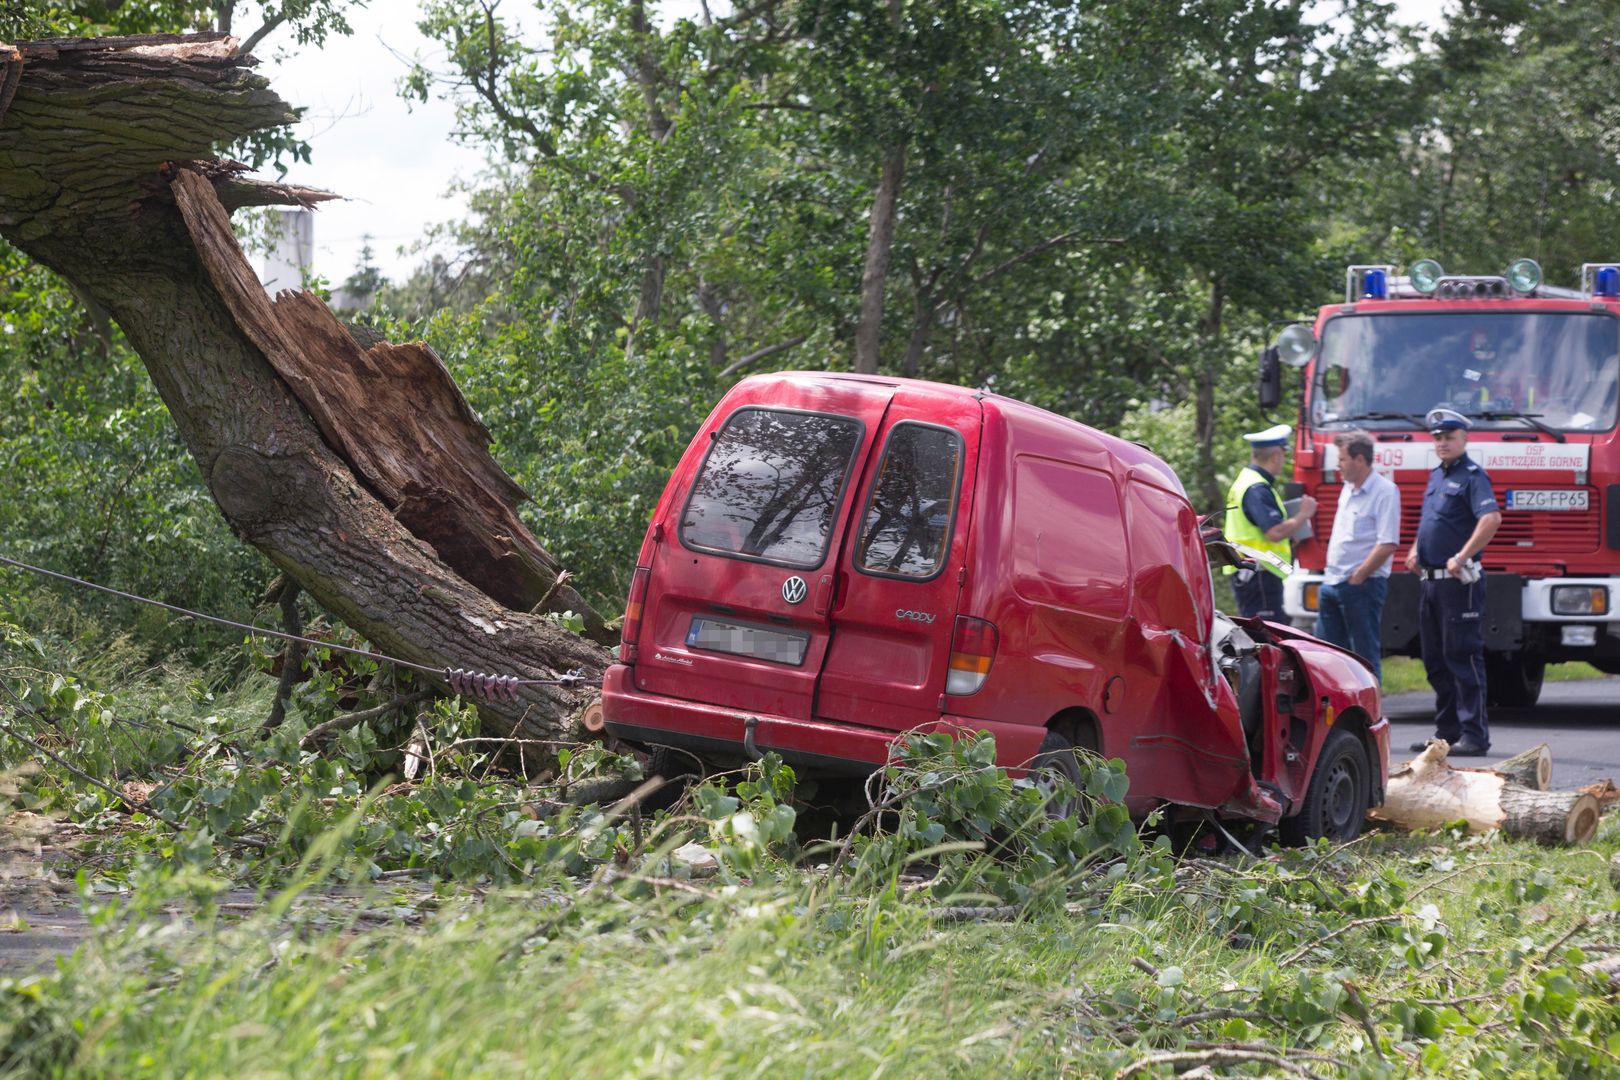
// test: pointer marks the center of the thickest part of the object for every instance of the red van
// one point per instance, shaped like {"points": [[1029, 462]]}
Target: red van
{"points": [[838, 559]]}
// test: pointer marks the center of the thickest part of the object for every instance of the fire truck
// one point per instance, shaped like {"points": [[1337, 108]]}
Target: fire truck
{"points": [[1537, 370]]}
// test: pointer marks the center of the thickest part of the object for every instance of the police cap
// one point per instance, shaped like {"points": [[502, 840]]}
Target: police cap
{"points": [[1272, 436], [1442, 420]]}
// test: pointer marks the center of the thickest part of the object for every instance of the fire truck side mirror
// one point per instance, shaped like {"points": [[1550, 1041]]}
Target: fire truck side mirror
{"points": [[1270, 379]]}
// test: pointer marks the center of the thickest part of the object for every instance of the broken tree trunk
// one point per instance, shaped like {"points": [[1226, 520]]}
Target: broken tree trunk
{"points": [[1427, 793], [362, 473], [1531, 769]]}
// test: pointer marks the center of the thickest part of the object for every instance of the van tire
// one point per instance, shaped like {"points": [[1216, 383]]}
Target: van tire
{"points": [[1056, 759], [678, 768], [1339, 795]]}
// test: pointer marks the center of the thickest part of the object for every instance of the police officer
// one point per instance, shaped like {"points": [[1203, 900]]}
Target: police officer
{"points": [[1255, 519], [1460, 516]]}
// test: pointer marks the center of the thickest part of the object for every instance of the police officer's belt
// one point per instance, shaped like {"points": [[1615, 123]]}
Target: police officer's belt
{"points": [[1431, 573]]}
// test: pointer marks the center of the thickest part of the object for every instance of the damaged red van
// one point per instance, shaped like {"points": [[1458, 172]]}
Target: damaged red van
{"points": [[838, 559]]}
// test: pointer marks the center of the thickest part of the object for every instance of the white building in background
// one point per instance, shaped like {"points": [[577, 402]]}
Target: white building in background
{"points": [[290, 249]]}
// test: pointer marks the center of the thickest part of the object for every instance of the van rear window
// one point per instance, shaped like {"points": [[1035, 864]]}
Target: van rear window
{"points": [[771, 485], [907, 527]]}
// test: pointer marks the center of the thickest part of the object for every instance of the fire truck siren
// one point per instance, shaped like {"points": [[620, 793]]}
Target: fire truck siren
{"points": [[1600, 279]]}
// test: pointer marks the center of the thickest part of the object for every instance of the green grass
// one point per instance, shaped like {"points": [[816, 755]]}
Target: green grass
{"points": [[1403, 673], [1464, 964], [557, 941]]}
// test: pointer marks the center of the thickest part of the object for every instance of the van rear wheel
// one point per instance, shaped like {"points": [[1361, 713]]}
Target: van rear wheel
{"points": [[1339, 796], [1054, 762], [678, 768]]}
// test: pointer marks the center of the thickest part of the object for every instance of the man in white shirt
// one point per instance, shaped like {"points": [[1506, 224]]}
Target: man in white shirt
{"points": [[1366, 531]]}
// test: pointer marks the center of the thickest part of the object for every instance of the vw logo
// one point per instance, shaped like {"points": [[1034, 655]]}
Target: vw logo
{"points": [[794, 590]]}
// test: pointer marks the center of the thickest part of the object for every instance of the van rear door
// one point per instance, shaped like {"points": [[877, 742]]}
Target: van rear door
{"points": [[737, 609], [899, 579]]}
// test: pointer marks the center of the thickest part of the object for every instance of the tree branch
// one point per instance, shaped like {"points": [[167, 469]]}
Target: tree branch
{"points": [[262, 32], [354, 719], [486, 89], [760, 354], [796, 106], [1044, 245], [292, 657]]}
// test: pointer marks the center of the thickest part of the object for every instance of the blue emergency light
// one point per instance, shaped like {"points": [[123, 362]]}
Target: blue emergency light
{"points": [[1606, 282], [1374, 284]]}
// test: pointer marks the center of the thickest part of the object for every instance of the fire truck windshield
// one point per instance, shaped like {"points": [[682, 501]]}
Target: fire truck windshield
{"points": [[1558, 370]]}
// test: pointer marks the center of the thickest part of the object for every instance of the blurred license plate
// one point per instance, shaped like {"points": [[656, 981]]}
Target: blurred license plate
{"points": [[1545, 499], [777, 646]]}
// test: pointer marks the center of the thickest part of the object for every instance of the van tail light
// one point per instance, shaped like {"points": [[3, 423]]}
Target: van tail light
{"points": [[630, 628], [973, 650]]}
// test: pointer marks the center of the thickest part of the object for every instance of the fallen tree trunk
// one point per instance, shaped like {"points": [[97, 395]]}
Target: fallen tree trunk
{"points": [[1428, 792], [1531, 769], [361, 473]]}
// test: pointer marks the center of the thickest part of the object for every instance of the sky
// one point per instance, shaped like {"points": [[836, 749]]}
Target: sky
{"points": [[393, 162]]}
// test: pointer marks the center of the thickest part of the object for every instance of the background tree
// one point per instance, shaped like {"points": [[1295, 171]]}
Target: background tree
{"points": [[1516, 150], [1098, 207]]}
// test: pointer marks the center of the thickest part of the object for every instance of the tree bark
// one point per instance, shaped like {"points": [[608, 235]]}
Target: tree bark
{"points": [[1209, 332], [1531, 769], [879, 244], [362, 474]]}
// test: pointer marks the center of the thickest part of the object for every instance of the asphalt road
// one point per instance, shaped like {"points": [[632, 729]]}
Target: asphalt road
{"points": [[1579, 722]]}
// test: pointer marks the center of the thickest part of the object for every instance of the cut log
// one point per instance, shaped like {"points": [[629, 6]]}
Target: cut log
{"points": [[1552, 817], [1427, 792], [1531, 769]]}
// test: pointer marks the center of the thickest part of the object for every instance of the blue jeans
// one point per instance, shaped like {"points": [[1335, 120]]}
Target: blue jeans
{"points": [[1352, 617]]}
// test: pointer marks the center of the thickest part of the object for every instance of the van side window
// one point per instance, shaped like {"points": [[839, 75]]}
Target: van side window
{"points": [[907, 525], [771, 485]]}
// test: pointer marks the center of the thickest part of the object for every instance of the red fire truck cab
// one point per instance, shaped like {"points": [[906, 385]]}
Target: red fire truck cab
{"points": [[840, 559], [1537, 369]]}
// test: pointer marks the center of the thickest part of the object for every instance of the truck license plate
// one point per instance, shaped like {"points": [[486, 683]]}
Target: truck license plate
{"points": [[739, 639], [1545, 499]]}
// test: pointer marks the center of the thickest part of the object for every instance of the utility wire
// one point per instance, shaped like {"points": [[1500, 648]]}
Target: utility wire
{"points": [[468, 683]]}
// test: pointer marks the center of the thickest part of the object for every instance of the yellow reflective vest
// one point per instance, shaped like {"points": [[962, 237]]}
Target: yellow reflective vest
{"points": [[1240, 530]]}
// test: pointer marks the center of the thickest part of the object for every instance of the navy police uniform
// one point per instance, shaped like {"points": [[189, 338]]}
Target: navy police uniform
{"points": [[1450, 610]]}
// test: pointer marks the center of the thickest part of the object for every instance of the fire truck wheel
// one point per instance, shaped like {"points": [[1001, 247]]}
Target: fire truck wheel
{"points": [[1054, 760], [1513, 681], [1337, 801]]}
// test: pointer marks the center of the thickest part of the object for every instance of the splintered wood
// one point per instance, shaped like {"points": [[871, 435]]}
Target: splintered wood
{"points": [[1428, 792], [393, 412], [359, 471]]}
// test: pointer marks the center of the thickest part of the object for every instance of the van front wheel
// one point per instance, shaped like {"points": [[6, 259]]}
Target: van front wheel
{"points": [[1340, 794], [1054, 762]]}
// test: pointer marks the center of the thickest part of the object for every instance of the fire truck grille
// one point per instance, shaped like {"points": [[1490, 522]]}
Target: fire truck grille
{"points": [[1525, 533]]}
